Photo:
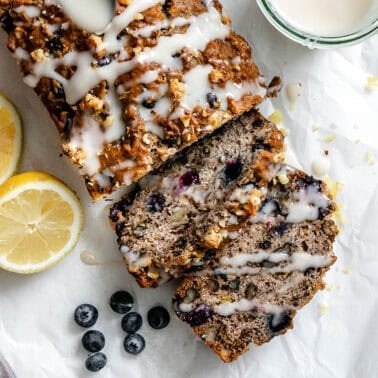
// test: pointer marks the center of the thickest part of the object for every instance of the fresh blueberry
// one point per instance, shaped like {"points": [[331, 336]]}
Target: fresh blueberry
{"points": [[233, 170], [86, 315], [134, 343], [158, 317], [155, 203], [189, 178], [211, 99], [131, 322], [279, 322], [121, 302], [96, 362], [200, 315], [93, 341]]}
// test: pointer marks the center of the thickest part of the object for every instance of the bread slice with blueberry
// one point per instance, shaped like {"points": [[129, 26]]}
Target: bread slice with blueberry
{"points": [[255, 284], [161, 224]]}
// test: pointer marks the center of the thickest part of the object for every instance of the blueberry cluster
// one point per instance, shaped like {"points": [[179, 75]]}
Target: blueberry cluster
{"points": [[121, 302], [93, 341]]}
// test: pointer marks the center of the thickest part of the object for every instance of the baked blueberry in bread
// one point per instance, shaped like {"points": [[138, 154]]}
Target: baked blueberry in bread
{"points": [[255, 284]]}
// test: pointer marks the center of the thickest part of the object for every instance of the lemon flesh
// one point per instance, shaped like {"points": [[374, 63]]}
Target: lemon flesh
{"points": [[40, 222], [10, 139]]}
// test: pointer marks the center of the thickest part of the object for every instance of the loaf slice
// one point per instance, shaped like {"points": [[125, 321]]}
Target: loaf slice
{"points": [[163, 74], [160, 224], [255, 284]]}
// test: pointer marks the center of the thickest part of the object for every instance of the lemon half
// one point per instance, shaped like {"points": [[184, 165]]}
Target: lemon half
{"points": [[40, 222], [10, 138]]}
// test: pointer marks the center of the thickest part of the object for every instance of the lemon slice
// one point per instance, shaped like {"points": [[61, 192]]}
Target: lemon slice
{"points": [[40, 222], [10, 139]]}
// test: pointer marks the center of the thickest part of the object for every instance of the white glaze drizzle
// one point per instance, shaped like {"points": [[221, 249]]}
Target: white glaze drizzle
{"points": [[257, 257], [202, 29], [185, 307], [298, 261], [306, 207], [303, 206], [243, 305], [265, 214], [320, 167], [91, 15], [29, 10], [91, 136], [88, 258], [293, 91], [197, 86]]}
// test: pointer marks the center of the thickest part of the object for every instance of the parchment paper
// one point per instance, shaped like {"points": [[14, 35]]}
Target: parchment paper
{"points": [[336, 335]]}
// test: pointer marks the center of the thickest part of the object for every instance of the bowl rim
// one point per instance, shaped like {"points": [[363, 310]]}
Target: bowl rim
{"points": [[312, 40]]}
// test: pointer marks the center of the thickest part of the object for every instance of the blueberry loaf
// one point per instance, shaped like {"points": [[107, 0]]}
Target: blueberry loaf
{"points": [[160, 76], [160, 224], [256, 283]]}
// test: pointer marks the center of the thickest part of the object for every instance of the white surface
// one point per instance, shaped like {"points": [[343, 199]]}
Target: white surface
{"points": [[37, 333]]}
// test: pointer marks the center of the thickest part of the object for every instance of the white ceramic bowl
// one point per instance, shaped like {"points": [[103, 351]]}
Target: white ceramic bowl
{"points": [[311, 40]]}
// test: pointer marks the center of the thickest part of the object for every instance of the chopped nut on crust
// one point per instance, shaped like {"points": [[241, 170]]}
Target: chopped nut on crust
{"points": [[213, 238]]}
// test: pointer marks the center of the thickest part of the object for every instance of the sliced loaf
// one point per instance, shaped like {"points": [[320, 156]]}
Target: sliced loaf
{"points": [[163, 74], [159, 225]]}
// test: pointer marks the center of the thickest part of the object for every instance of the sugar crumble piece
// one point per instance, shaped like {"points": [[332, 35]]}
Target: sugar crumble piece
{"points": [[315, 128], [339, 215], [330, 287], [284, 131], [334, 187], [283, 179], [329, 138], [323, 309], [276, 117], [369, 158], [346, 271], [371, 83]]}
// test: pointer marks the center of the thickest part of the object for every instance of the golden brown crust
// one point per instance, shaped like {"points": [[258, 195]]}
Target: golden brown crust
{"points": [[139, 149]]}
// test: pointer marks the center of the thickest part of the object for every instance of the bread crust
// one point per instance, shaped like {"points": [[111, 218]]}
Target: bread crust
{"points": [[145, 115], [256, 283], [181, 213]]}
